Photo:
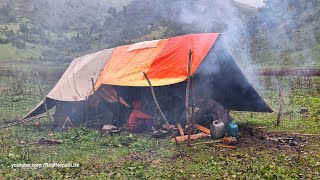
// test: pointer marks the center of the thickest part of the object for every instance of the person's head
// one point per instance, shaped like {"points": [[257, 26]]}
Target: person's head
{"points": [[136, 104]]}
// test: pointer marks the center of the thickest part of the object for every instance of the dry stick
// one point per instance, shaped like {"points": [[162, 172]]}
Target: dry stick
{"points": [[187, 98], [93, 89], [118, 110], [42, 97], [156, 101], [280, 107], [21, 121], [192, 105]]}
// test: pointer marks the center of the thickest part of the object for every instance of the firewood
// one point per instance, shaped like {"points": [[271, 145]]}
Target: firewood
{"points": [[192, 137], [203, 129], [180, 129], [224, 146]]}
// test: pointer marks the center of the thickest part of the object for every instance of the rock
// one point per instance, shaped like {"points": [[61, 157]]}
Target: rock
{"points": [[293, 143], [108, 127], [304, 110]]}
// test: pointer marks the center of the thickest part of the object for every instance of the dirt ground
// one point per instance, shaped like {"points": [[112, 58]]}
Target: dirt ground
{"points": [[284, 141]]}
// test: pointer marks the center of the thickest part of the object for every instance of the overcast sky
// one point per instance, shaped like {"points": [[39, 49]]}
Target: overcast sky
{"points": [[254, 3]]}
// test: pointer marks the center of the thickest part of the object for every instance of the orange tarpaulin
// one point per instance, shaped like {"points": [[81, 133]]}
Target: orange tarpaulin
{"points": [[164, 61]]}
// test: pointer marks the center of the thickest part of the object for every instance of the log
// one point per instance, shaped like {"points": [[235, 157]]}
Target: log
{"points": [[192, 137], [203, 129], [180, 129]]}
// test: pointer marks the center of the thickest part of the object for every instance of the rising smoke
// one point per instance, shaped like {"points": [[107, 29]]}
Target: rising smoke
{"points": [[226, 17]]}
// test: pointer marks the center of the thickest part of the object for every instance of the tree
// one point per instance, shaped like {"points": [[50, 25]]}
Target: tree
{"points": [[23, 28], [112, 11]]}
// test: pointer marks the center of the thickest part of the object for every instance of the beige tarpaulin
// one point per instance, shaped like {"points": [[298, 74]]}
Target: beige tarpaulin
{"points": [[75, 83]]}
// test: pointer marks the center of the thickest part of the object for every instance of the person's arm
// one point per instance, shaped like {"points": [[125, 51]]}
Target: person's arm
{"points": [[142, 115]]}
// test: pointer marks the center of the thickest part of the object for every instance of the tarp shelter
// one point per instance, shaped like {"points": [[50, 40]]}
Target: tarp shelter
{"points": [[166, 63]]}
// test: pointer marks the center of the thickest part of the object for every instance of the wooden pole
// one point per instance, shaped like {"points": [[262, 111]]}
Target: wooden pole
{"points": [[157, 104], [43, 98], [86, 106], [280, 107], [192, 105], [187, 98], [118, 110], [97, 113], [155, 99]]}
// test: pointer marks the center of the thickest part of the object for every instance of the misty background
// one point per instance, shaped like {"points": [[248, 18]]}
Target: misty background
{"points": [[281, 34]]}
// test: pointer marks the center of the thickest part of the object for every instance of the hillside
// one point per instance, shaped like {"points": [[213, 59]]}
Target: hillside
{"points": [[58, 31], [287, 37], [55, 31]]}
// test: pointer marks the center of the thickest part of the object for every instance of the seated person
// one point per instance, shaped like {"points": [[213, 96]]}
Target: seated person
{"points": [[139, 121], [209, 110]]}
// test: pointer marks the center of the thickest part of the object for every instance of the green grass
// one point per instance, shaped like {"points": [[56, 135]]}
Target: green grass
{"points": [[3, 36], [8, 52], [143, 157], [10, 26], [71, 34], [156, 34]]}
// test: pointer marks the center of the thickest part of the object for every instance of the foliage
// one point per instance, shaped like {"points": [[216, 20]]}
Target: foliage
{"points": [[142, 157]]}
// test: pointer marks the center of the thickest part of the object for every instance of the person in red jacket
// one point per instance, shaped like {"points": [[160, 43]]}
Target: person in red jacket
{"points": [[139, 121]]}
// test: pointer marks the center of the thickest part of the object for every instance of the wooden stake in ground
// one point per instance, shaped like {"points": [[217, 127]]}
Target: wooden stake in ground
{"points": [[281, 103], [86, 106], [187, 99], [43, 98], [192, 105], [118, 110]]}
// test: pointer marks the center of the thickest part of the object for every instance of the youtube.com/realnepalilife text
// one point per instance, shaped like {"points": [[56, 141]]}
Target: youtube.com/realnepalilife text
{"points": [[46, 165]]}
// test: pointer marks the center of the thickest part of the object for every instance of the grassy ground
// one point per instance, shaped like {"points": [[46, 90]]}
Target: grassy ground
{"points": [[143, 157]]}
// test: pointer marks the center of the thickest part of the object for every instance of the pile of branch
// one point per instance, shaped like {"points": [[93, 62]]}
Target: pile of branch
{"points": [[287, 140], [15, 123], [205, 132]]}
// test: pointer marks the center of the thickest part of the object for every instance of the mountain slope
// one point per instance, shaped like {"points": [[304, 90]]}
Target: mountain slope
{"points": [[57, 31]]}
